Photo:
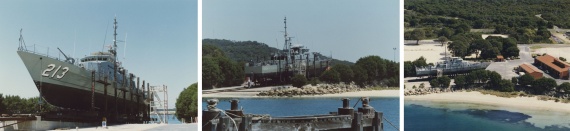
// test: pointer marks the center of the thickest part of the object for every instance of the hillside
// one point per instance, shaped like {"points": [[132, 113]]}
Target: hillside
{"points": [[241, 51]]}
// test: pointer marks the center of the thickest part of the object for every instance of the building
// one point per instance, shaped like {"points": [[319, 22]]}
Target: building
{"points": [[500, 58], [553, 66], [531, 70]]}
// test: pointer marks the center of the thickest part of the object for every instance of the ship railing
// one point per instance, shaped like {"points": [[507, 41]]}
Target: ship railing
{"points": [[45, 51]]}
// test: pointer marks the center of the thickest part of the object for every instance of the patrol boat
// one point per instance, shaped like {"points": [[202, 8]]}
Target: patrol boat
{"points": [[96, 82], [284, 64], [451, 65]]}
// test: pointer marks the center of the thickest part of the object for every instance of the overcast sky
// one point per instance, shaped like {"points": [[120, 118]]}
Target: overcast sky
{"points": [[346, 29], [161, 41]]}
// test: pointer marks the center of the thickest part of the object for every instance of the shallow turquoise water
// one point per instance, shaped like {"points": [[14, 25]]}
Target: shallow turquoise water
{"points": [[420, 116]]}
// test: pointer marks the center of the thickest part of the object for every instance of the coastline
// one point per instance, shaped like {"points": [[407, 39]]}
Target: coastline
{"points": [[476, 97], [252, 94], [543, 113]]}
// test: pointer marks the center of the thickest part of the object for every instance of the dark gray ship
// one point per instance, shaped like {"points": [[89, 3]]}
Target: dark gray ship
{"points": [[451, 65], [284, 64], [96, 83]]}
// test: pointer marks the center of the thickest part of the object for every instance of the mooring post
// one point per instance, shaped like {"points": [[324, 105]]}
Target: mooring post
{"points": [[377, 124], [225, 124], [214, 125], [245, 123], [357, 122]]}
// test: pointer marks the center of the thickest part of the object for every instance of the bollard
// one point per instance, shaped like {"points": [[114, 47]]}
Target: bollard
{"points": [[357, 122]]}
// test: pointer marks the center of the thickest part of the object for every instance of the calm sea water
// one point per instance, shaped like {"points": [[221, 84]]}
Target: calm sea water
{"points": [[420, 115], [311, 106]]}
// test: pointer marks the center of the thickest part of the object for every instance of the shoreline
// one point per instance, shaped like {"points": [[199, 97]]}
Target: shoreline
{"points": [[543, 113], [476, 97], [252, 94]]}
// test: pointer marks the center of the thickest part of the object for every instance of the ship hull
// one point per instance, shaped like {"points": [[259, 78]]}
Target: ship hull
{"points": [[432, 71], [70, 86]]}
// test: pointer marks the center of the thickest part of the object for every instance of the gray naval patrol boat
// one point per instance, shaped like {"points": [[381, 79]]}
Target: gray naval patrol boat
{"points": [[284, 64], [453, 65], [96, 83]]}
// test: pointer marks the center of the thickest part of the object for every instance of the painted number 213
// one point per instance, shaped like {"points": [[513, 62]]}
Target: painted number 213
{"points": [[50, 68]]}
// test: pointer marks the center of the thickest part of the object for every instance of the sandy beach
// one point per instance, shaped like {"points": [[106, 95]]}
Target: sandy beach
{"points": [[252, 94], [479, 98]]}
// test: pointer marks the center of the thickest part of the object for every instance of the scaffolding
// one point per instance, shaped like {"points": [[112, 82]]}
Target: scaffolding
{"points": [[158, 102]]}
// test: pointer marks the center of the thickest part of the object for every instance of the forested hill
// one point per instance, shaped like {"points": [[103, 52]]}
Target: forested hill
{"points": [[242, 51]]}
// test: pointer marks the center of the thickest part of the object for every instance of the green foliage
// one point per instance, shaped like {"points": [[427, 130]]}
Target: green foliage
{"points": [[443, 40], [444, 81], [17, 105], [514, 80], [543, 85], [562, 58], [409, 69], [418, 34], [434, 83], [211, 72], [2, 106], [330, 76], [360, 75], [187, 103], [314, 81], [460, 81], [564, 87], [345, 72], [526, 80], [505, 86], [494, 79], [298, 81], [459, 48], [219, 70], [245, 51]]}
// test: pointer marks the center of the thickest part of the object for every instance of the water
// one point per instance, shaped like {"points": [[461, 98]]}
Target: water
{"points": [[171, 119], [420, 115], [311, 106]]}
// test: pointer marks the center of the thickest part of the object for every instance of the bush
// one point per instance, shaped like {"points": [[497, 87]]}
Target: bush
{"points": [[314, 81], [330, 76], [299, 81]]}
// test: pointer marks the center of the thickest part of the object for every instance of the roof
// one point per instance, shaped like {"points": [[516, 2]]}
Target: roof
{"points": [[530, 68], [550, 61], [500, 57]]}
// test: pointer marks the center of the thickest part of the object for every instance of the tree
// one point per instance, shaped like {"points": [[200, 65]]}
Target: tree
{"points": [[360, 79], [489, 53], [526, 80], [458, 48], [494, 79], [418, 34], [409, 69], [514, 80], [330, 76], [420, 62], [459, 81], [505, 86], [565, 87], [187, 103], [211, 73], [543, 85], [232, 71], [345, 72], [375, 67], [298, 81], [443, 40], [444, 81], [2, 106], [434, 83]]}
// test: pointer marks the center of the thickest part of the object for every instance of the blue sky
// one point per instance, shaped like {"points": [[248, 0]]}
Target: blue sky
{"points": [[346, 29], [161, 41]]}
